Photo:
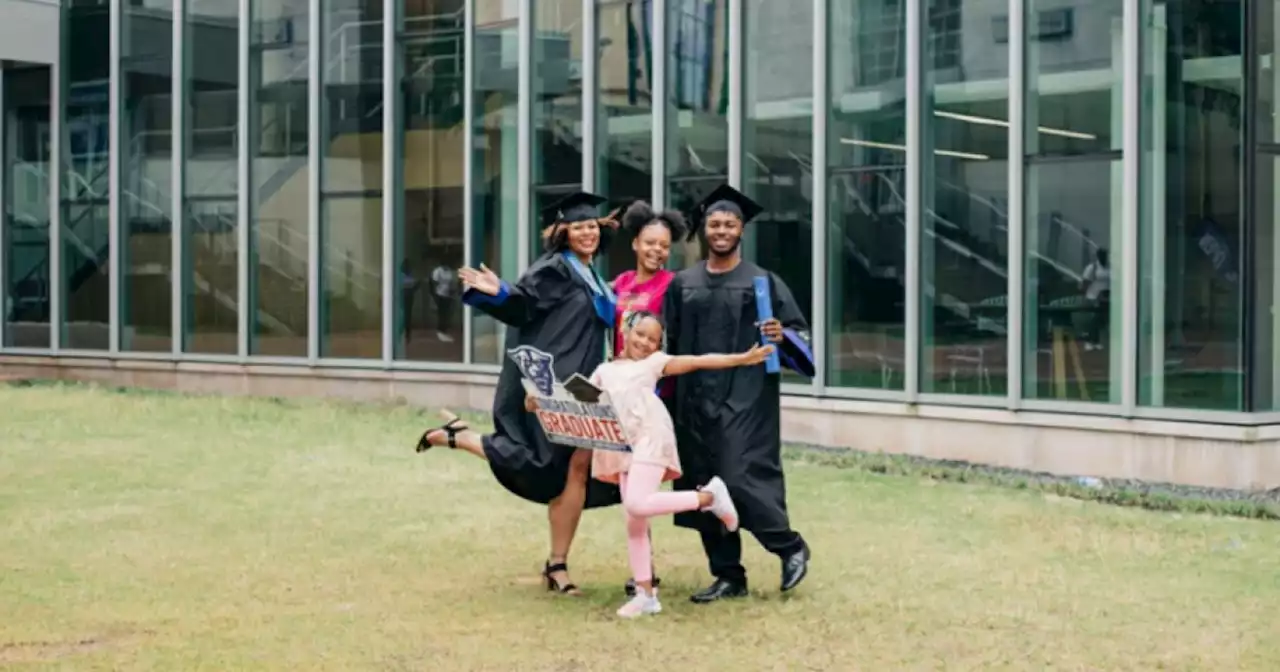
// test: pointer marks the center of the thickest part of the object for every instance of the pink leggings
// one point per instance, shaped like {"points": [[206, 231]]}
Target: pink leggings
{"points": [[642, 501]]}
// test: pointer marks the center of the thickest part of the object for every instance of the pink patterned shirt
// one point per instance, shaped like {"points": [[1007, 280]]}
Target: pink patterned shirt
{"points": [[632, 297]]}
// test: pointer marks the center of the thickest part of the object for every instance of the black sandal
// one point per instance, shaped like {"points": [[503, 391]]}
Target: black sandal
{"points": [[450, 428], [553, 585]]}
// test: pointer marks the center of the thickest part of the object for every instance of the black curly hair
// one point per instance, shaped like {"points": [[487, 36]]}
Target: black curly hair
{"points": [[641, 214]]}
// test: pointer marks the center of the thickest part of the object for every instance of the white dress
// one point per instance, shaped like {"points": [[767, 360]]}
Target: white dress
{"points": [[632, 386]]}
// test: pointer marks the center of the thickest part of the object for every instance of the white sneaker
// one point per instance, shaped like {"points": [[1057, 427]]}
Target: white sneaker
{"points": [[721, 503], [643, 604]]}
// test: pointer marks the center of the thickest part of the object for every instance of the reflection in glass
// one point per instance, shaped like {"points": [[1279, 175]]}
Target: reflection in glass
{"points": [[698, 108], [1074, 199], [85, 215], [964, 239], [146, 156], [211, 181], [777, 143], [624, 116], [866, 187], [351, 181], [495, 196], [557, 103], [1264, 374], [1190, 345], [279, 175], [85, 203], [431, 232], [26, 167]]}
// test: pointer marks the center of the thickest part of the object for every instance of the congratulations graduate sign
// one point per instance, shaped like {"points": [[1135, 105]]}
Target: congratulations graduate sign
{"points": [[573, 413]]}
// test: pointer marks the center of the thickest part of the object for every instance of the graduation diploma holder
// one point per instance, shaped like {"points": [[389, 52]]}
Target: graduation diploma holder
{"points": [[764, 310], [573, 413]]}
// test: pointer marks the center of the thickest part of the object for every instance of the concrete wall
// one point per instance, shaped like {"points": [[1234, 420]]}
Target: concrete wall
{"points": [[29, 30], [1175, 452]]}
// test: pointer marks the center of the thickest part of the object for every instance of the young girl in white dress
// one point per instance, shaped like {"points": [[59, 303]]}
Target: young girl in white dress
{"points": [[631, 382]]}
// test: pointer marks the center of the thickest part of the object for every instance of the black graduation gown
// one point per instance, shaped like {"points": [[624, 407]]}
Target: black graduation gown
{"points": [[550, 308], [728, 421]]}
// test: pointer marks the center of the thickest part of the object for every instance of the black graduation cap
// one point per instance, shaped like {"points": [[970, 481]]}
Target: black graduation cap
{"points": [[575, 207], [725, 198]]}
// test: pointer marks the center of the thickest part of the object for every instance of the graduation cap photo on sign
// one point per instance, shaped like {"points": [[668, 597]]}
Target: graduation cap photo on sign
{"points": [[582, 389], [724, 198]]}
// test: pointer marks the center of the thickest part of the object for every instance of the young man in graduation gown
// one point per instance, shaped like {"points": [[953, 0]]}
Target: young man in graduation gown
{"points": [[561, 306], [728, 422]]}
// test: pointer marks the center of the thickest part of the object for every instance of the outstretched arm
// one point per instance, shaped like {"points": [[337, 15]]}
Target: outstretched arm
{"points": [[683, 364], [514, 305]]}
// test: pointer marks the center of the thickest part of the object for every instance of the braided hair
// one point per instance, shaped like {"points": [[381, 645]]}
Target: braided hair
{"points": [[639, 316], [640, 215]]}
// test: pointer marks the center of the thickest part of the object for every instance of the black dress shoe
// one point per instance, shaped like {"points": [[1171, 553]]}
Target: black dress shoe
{"points": [[630, 588], [794, 568], [720, 590]]}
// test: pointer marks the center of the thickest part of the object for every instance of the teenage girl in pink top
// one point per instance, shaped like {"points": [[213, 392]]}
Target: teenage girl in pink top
{"points": [[652, 234], [644, 289]]}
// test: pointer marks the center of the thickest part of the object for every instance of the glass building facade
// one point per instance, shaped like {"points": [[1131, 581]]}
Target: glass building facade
{"points": [[1064, 206]]}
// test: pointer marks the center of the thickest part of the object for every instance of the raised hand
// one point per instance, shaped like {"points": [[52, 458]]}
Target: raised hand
{"points": [[613, 220], [483, 280], [756, 355]]}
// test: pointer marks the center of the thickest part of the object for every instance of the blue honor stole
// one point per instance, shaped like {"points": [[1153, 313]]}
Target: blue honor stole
{"points": [[764, 311], [602, 298]]}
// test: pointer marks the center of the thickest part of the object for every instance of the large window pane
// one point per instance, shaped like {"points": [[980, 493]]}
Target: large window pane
{"points": [[624, 114], [496, 195], [1265, 371], [85, 203], [432, 230], [1191, 329], [698, 105], [146, 157], [964, 222], [866, 185], [26, 166], [279, 175], [557, 103], [351, 180], [1074, 199], [209, 213], [777, 142]]}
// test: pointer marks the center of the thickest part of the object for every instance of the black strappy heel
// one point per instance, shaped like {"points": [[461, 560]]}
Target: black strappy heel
{"points": [[553, 585], [450, 428]]}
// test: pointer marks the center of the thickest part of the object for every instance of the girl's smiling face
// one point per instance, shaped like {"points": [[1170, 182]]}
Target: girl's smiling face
{"points": [[652, 247], [644, 338]]}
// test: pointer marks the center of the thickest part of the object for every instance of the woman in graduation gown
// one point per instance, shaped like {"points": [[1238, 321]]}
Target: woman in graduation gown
{"points": [[729, 422], [562, 307]]}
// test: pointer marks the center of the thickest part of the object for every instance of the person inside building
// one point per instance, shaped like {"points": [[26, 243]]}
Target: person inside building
{"points": [[560, 306], [728, 423]]}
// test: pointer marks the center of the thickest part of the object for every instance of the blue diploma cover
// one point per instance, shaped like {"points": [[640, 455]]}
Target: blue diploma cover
{"points": [[764, 310]]}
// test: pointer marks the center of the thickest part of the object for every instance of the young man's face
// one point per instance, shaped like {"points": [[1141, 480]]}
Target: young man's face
{"points": [[723, 231]]}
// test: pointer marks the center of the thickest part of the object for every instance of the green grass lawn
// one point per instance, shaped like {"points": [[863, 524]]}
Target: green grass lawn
{"points": [[157, 532]]}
